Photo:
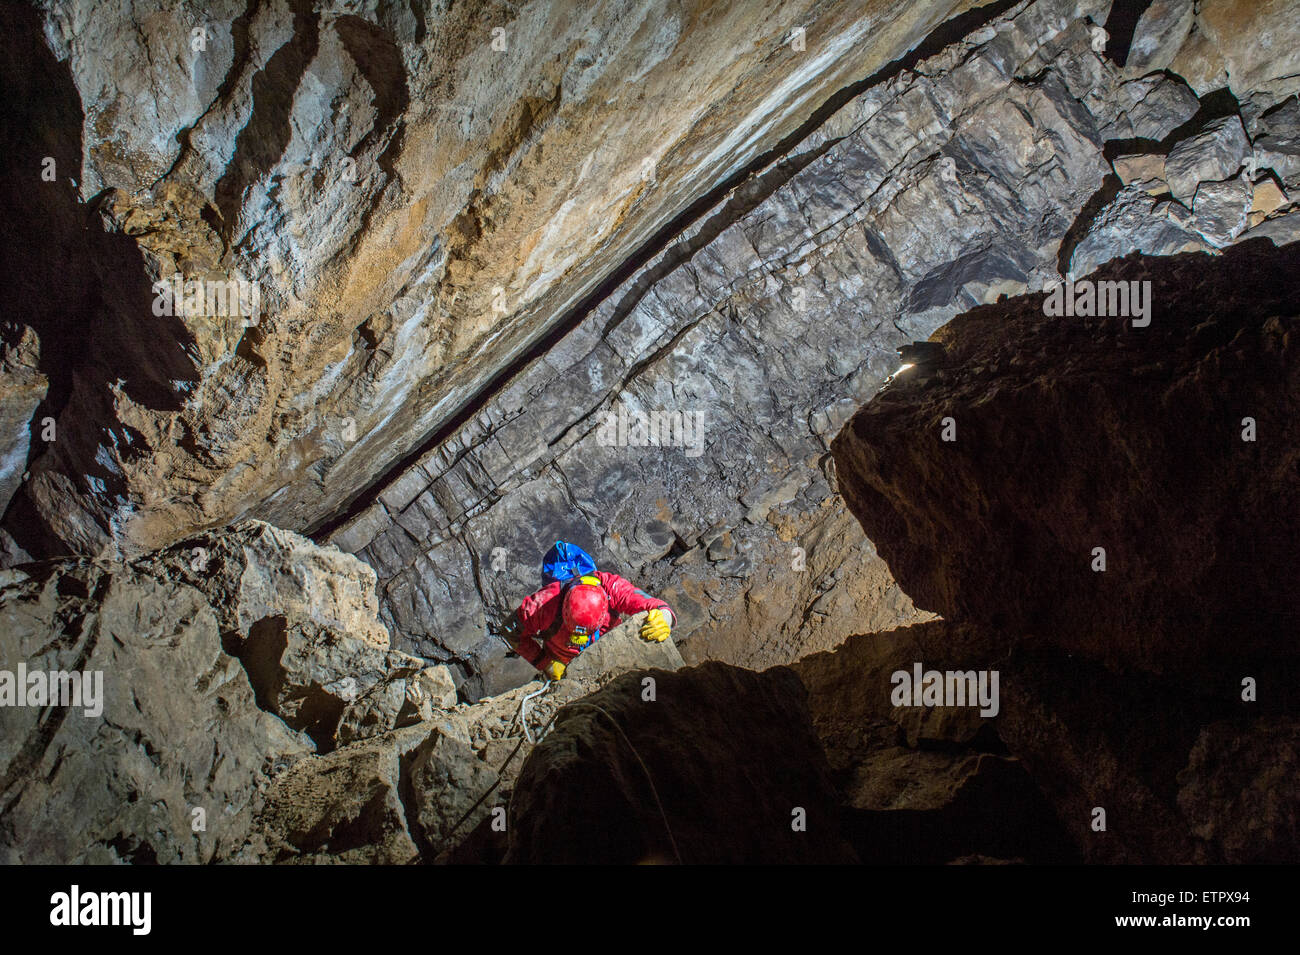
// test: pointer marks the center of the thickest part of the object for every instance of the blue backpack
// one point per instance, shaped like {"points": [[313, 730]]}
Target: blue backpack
{"points": [[564, 561]]}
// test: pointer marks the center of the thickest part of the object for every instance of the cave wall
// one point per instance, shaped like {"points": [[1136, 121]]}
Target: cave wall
{"points": [[1112, 528], [389, 400], [986, 168], [416, 190]]}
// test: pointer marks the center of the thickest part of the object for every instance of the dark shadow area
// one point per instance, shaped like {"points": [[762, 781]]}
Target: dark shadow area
{"points": [[998, 815], [1120, 25], [263, 139], [84, 291], [1110, 187]]}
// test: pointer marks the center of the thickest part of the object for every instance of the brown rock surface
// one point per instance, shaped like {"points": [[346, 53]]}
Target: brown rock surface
{"points": [[177, 730], [418, 193], [1079, 433]]}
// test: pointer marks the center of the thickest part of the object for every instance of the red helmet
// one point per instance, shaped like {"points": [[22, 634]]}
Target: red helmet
{"points": [[586, 608]]}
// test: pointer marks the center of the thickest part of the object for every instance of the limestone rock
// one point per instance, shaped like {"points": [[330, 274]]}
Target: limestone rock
{"points": [[255, 570], [1277, 142], [617, 652], [1159, 34], [11, 552], [179, 730], [378, 173], [22, 388], [1222, 209], [1145, 170], [1266, 199], [1215, 154], [447, 778], [1244, 42], [1134, 221], [343, 807], [331, 685], [1281, 230], [1152, 108], [1201, 784]]}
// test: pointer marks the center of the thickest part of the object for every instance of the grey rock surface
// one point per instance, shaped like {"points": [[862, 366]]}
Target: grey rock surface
{"points": [[417, 191], [1222, 209], [22, 388], [1135, 220], [1159, 34], [1214, 154], [776, 312], [172, 730]]}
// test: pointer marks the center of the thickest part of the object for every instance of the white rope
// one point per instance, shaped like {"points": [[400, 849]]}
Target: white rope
{"points": [[523, 708]]}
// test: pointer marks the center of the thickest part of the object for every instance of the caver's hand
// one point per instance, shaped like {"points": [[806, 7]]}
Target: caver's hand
{"points": [[656, 627]]}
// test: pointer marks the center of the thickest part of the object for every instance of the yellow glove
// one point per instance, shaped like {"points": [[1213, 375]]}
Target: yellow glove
{"points": [[554, 669], [656, 627]]}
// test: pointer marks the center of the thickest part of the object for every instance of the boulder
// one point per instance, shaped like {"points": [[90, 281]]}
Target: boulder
{"points": [[1242, 44], [1143, 169], [1159, 34], [170, 759], [343, 807], [254, 570], [333, 686], [1212, 155], [1222, 209], [448, 781], [1277, 141], [1133, 220], [1151, 108], [1281, 230], [717, 765]]}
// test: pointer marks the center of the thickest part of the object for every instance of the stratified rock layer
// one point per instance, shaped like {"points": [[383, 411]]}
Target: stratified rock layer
{"points": [[418, 192], [979, 169]]}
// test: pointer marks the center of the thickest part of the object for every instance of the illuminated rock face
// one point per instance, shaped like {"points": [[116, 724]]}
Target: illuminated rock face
{"points": [[778, 313], [408, 293], [413, 191], [441, 286]]}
